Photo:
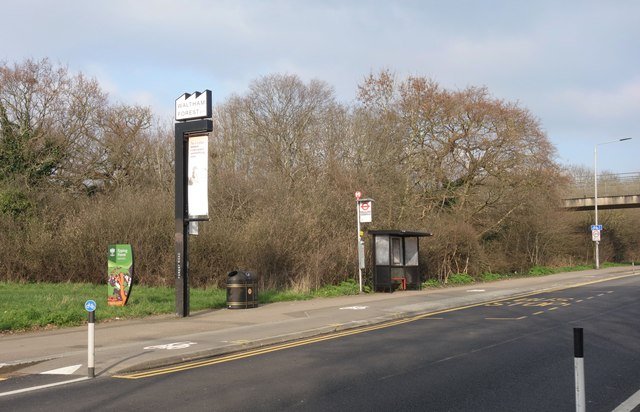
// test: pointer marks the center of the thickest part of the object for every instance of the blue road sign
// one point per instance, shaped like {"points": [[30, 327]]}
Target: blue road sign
{"points": [[90, 305], [596, 227]]}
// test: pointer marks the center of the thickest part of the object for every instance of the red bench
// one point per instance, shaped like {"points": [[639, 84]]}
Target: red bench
{"points": [[402, 281]]}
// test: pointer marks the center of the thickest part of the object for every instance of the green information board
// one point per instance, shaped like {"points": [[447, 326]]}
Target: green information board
{"points": [[120, 272]]}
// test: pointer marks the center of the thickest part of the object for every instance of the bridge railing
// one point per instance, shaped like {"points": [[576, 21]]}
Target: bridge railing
{"points": [[620, 184]]}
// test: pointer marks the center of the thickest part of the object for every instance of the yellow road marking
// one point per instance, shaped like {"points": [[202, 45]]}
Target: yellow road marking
{"points": [[260, 351], [539, 313]]}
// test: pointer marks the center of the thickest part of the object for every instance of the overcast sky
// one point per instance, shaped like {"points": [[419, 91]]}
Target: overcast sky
{"points": [[574, 64]]}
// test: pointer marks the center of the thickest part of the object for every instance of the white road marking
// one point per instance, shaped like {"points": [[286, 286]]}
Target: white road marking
{"points": [[33, 388], [171, 346], [354, 308], [629, 404], [67, 370]]}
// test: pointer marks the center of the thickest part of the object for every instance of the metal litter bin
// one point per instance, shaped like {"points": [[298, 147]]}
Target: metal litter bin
{"points": [[242, 290]]}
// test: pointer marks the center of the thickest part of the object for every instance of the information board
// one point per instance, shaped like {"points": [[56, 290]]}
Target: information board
{"points": [[120, 272]]}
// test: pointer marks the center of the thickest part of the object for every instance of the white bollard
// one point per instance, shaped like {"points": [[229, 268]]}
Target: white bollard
{"points": [[91, 345]]}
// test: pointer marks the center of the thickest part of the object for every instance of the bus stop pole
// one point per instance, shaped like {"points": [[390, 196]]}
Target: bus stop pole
{"points": [[360, 246]]}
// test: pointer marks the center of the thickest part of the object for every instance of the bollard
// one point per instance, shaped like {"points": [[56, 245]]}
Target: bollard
{"points": [[578, 365], [91, 344], [90, 306]]}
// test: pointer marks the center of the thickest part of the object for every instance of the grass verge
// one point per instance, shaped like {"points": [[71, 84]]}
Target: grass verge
{"points": [[458, 279], [31, 306]]}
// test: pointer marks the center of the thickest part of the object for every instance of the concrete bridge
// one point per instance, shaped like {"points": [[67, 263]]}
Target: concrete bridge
{"points": [[615, 191]]}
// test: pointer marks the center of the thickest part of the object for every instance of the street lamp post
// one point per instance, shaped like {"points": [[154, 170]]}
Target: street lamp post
{"points": [[595, 190]]}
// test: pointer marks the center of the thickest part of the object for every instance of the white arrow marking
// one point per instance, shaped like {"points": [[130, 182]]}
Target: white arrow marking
{"points": [[67, 370]]}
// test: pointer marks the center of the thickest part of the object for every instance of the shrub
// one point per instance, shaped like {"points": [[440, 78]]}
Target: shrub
{"points": [[431, 283], [491, 277], [540, 271], [15, 204], [460, 279]]}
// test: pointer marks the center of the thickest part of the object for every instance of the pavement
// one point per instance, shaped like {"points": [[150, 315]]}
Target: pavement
{"points": [[127, 346]]}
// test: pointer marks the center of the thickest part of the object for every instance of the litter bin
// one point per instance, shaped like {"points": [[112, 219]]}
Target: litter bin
{"points": [[242, 290]]}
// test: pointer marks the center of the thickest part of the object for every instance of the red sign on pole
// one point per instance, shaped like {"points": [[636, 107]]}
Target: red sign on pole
{"points": [[358, 195], [365, 211]]}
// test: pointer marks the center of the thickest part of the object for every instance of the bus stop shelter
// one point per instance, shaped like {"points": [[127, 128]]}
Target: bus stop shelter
{"points": [[396, 259]]}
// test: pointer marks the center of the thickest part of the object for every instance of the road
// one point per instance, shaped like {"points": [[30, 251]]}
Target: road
{"points": [[508, 355]]}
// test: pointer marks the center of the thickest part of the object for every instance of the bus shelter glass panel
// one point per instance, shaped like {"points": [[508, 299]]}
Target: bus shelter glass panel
{"points": [[396, 251], [411, 251], [382, 250]]}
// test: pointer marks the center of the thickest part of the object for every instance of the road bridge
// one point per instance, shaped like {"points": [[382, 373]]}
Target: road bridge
{"points": [[615, 191]]}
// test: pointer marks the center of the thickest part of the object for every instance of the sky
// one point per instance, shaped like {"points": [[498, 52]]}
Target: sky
{"points": [[575, 65]]}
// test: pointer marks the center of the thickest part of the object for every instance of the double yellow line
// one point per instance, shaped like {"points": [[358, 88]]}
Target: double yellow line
{"points": [[336, 335]]}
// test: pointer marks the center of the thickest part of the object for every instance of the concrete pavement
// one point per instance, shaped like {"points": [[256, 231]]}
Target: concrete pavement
{"points": [[124, 346]]}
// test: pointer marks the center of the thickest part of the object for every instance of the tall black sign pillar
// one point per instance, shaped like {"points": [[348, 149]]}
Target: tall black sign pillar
{"points": [[187, 108]]}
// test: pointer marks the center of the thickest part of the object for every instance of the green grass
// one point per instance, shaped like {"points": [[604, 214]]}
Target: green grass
{"points": [[28, 306], [349, 287], [545, 270], [492, 277], [458, 279], [431, 283]]}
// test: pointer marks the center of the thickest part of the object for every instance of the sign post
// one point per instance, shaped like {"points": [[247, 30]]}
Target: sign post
{"points": [[193, 121], [364, 215]]}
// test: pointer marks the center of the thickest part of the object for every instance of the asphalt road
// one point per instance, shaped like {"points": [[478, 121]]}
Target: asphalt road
{"points": [[509, 355]]}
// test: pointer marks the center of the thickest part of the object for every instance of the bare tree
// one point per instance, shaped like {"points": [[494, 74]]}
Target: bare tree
{"points": [[60, 129], [464, 154], [279, 156], [32, 145]]}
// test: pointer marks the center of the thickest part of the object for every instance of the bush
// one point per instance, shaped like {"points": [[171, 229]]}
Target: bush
{"points": [[15, 204], [431, 283], [460, 279], [348, 287], [491, 277], [540, 271]]}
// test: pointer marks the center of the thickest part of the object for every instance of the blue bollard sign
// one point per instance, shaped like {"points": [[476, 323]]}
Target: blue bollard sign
{"points": [[90, 305]]}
